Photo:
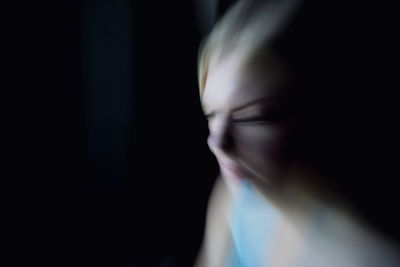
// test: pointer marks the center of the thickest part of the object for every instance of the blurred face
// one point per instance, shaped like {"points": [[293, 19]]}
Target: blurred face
{"points": [[249, 121]]}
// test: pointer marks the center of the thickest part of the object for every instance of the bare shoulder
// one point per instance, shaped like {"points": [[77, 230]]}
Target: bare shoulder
{"points": [[217, 237]]}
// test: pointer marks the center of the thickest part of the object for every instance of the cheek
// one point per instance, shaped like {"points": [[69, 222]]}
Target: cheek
{"points": [[268, 140], [262, 147]]}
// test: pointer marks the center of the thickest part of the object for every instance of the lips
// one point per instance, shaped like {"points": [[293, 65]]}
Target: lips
{"points": [[233, 169]]}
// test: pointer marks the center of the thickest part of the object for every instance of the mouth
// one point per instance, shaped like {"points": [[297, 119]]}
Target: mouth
{"points": [[233, 169]]}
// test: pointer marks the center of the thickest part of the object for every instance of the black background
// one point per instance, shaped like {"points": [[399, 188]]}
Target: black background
{"points": [[106, 158]]}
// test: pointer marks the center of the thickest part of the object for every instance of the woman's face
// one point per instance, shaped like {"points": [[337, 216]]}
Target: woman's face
{"points": [[249, 122]]}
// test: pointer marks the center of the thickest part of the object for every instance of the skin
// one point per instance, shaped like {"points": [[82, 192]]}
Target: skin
{"points": [[249, 128], [248, 100], [250, 136]]}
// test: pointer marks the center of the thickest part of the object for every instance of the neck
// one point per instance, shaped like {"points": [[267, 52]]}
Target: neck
{"points": [[309, 205], [302, 194]]}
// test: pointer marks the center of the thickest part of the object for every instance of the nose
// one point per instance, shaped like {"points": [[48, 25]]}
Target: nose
{"points": [[220, 138]]}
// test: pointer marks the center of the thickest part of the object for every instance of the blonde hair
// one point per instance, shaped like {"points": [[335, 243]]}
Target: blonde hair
{"points": [[247, 28]]}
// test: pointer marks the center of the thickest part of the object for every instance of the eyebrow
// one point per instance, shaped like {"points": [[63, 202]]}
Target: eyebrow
{"points": [[251, 103]]}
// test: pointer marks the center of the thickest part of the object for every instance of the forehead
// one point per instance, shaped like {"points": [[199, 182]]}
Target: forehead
{"points": [[234, 82]]}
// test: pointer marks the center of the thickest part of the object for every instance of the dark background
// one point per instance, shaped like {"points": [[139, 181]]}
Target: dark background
{"points": [[106, 154]]}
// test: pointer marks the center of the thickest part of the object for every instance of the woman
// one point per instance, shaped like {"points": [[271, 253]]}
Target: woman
{"points": [[279, 100]]}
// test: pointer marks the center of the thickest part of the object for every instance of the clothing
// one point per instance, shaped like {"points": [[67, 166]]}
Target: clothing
{"points": [[253, 225], [330, 239]]}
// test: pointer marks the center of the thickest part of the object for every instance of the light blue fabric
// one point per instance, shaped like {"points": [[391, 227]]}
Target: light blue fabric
{"points": [[252, 224]]}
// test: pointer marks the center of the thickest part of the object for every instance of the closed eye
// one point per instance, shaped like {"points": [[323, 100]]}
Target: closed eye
{"points": [[254, 120], [268, 118]]}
